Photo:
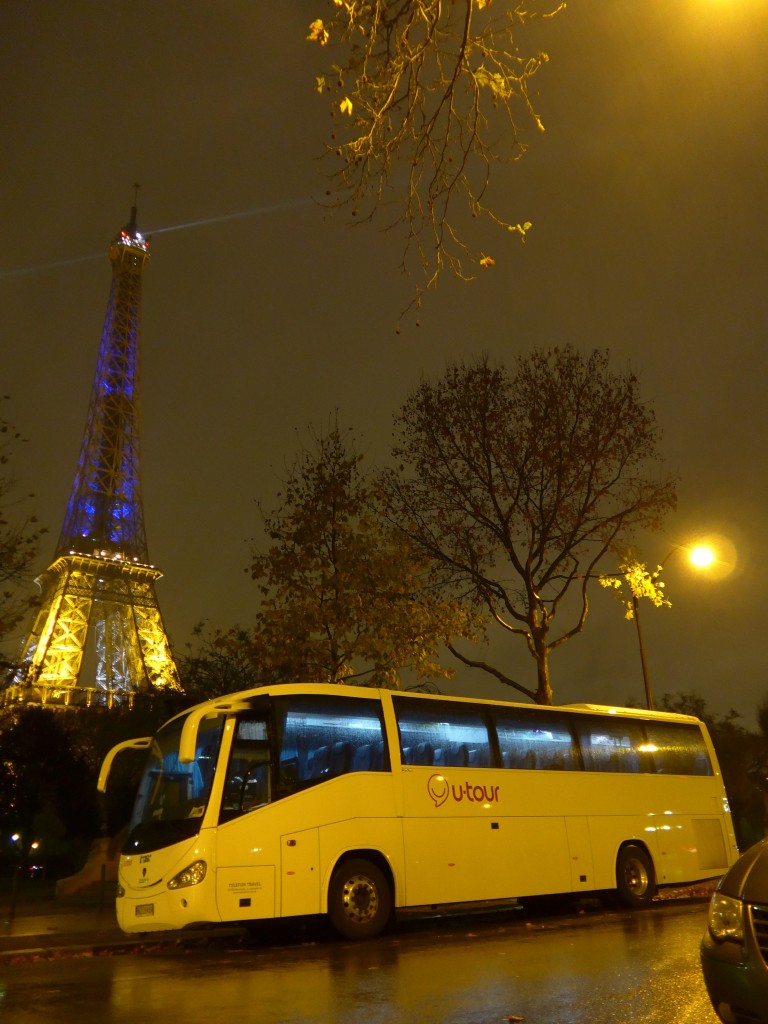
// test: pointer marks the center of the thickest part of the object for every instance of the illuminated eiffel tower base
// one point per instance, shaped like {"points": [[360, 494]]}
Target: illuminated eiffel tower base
{"points": [[98, 638]]}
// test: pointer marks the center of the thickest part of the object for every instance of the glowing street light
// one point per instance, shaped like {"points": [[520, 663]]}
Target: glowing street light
{"points": [[701, 556], [714, 553]]}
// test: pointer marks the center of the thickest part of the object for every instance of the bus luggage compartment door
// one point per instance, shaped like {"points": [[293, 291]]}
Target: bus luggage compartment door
{"points": [[300, 873], [580, 854]]}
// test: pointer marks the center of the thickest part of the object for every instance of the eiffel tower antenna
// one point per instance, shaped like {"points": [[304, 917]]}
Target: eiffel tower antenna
{"points": [[132, 227], [98, 637]]}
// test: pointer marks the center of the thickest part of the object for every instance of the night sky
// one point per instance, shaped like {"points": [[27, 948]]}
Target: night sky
{"points": [[265, 313]]}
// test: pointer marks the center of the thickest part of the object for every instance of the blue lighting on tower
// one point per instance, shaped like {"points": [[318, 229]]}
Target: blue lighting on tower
{"points": [[105, 505]]}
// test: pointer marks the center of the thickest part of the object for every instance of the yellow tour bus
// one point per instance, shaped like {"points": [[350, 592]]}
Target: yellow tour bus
{"points": [[311, 799]]}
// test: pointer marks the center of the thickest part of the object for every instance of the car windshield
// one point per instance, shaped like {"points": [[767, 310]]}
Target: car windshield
{"points": [[172, 796]]}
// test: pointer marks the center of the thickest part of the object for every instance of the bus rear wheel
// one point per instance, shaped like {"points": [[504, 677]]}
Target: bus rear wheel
{"points": [[359, 899], [635, 877]]}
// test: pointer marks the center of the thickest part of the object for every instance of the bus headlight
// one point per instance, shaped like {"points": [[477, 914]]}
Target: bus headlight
{"points": [[726, 919], [192, 875]]}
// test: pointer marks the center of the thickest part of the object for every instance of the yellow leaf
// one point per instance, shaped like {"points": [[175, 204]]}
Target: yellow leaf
{"points": [[318, 33], [521, 229], [320, 83], [346, 106], [487, 262], [494, 81]]}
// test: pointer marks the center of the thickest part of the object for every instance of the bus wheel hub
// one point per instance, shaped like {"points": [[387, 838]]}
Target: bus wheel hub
{"points": [[360, 899]]}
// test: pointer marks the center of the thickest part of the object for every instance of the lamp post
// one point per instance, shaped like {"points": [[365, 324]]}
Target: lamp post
{"points": [[642, 583], [643, 661]]}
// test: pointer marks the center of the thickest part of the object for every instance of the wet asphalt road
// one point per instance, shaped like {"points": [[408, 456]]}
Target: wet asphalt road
{"points": [[605, 968]]}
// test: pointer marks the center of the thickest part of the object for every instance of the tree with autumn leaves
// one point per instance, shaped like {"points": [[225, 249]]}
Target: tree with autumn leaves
{"points": [[20, 535], [345, 597]]}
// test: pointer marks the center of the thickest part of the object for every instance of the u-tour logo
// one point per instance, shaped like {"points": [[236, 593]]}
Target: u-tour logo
{"points": [[440, 790]]}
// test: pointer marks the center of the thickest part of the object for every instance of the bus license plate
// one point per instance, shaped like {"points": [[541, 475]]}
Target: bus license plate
{"points": [[145, 910]]}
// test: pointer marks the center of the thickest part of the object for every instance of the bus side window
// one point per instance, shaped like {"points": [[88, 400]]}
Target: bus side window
{"points": [[423, 753], [318, 762], [341, 757], [288, 777], [361, 761], [444, 735], [612, 745], [330, 760], [678, 749], [472, 758], [368, 757], [530, 738], [323, 737]]}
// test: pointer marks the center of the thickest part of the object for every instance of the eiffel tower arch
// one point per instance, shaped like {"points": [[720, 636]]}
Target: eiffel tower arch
{"points": [[98, 637]]}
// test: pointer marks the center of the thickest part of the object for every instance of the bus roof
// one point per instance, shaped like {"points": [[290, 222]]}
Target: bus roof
{"points": [[239, 701], [607, 709]]}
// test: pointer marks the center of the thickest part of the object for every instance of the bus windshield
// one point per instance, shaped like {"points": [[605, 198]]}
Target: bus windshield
{"points": [[172, 796]]}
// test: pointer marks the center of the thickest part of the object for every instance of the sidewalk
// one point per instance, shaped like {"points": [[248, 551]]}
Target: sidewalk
{"points": [[46, 927]]}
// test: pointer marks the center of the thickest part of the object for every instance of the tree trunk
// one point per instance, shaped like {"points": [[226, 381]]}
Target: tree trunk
{"points": [[544, 687]]}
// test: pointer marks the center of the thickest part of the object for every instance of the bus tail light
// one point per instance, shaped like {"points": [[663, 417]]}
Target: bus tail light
{"points": [[192, 875]]}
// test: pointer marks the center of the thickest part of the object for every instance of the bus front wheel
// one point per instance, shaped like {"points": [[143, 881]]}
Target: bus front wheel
{"points": [[359, 899], [635, 877]]}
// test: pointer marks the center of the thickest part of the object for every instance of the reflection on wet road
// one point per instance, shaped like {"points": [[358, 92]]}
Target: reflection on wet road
{"points": [[606, 969]]}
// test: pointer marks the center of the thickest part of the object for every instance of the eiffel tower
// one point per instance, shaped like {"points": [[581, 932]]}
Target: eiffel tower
{"points": [[98, 638]]}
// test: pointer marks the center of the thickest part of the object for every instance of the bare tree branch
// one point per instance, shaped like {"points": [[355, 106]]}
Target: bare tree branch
{"points": [[473, 663], [442, 90], [517, 484]]}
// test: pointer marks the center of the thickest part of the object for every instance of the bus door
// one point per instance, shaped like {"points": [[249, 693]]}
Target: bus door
{"points": [[246, 857]]}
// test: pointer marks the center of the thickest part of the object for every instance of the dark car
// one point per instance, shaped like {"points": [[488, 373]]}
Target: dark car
{"points": [[734, 950]]}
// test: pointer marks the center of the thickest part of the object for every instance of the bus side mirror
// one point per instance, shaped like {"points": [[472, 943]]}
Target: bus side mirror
{"points": [[211, 708], [106, 765]]}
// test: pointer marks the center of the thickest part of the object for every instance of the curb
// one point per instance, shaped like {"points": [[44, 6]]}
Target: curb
{"points": [[116, 944]]}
